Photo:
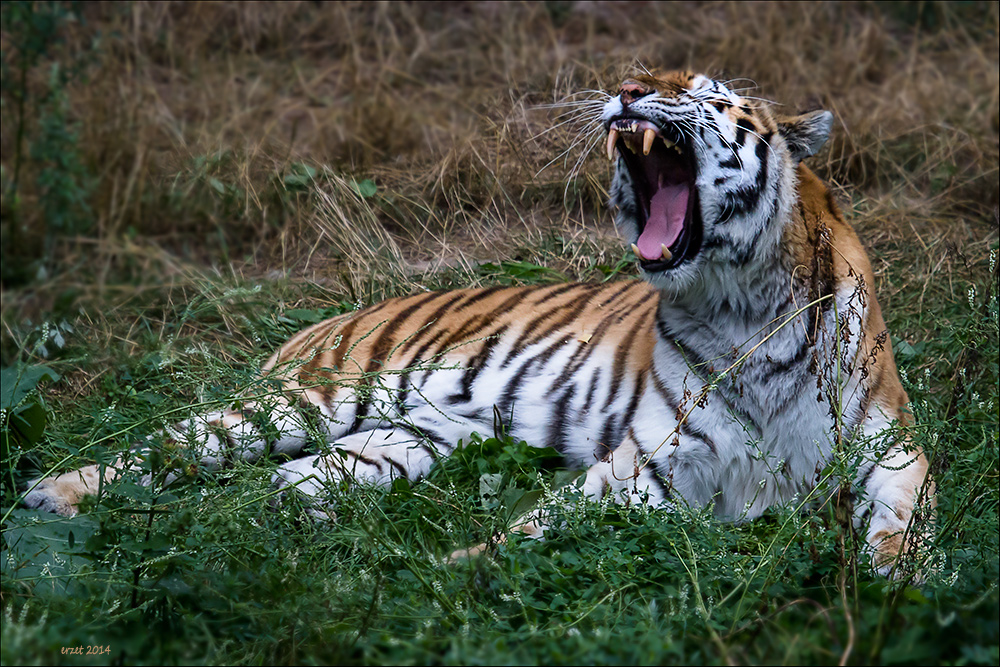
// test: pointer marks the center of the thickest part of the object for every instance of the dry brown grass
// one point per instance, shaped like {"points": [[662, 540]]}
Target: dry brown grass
{"points": [[438, 103]]}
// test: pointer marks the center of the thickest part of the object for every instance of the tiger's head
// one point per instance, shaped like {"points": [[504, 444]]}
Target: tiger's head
{"points": [[704, 178]]}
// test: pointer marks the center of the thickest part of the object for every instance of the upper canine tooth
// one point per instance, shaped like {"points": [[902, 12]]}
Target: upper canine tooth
{"points": [[666, 253], [647, 140], [612, 140]]}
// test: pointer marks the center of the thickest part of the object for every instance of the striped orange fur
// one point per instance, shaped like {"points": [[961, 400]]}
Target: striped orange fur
{"points": [[752, 354]]}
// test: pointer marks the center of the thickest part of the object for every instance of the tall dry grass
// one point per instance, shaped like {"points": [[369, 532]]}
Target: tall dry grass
{"points": [[191, 116]]}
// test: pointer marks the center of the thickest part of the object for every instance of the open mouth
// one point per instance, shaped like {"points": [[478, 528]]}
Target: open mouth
{"points": [[662, 166]]}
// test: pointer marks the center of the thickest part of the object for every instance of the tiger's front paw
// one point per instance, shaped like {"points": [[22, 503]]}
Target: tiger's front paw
{"points": [[896, 555], [299, 479], [62, 494]]}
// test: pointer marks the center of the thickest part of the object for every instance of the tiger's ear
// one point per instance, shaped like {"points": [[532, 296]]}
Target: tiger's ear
{"points": [[807, 133]]}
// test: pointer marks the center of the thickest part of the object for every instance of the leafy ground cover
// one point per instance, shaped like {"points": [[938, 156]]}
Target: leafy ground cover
{"points": [[185, 186]]}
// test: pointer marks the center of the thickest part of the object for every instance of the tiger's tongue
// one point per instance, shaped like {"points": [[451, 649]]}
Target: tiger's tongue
{"points": [[667, 209]]}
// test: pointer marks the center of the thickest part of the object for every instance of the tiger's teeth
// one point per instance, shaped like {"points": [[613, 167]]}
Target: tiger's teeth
{"points": [[647, 140], [668, 143], [666, 253], [635, 249], [612, 140]]}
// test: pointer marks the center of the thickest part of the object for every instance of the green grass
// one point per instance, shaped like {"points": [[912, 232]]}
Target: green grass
{"points": [[185, 186], [211, 570]]}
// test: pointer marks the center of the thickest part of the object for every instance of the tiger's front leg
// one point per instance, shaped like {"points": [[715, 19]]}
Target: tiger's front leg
{"points": [[625, 475], [628, 475], [897, 511], [373, 457], [216, 439], [62, 493]]}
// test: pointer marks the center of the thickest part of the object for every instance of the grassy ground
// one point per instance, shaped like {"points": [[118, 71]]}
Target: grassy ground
{"points": [[184, 186]]}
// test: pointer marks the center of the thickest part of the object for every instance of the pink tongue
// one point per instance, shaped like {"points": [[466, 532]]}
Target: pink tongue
{"points": [[667, 209]]}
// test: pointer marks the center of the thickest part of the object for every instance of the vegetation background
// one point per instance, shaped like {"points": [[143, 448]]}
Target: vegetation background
{"points": [[185, 185]]}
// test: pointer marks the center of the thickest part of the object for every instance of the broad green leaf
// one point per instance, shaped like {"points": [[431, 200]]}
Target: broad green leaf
{"points": [[18, 381], [365, 188]]}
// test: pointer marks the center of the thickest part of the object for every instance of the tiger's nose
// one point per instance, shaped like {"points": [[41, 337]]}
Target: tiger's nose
{"points": [[632, 91]]}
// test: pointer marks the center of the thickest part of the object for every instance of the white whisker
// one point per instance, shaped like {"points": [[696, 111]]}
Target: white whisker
{"points": [[595, 132]]}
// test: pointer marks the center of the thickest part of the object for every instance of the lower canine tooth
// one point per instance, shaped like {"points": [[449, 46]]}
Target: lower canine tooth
{"points": [[635, 249], [666, 253], [612, 140], [647, 140]]}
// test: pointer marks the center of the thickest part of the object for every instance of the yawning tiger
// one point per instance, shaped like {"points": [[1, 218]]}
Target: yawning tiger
{"points": [[752, 353]]}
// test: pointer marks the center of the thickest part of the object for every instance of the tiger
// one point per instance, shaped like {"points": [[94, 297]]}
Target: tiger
{"points": [[751, 353]]}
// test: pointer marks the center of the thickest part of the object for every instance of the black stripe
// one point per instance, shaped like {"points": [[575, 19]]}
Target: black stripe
{"points": [[518, 348], [613, 298], [689, 431], [594, 379], [568, 315], [381, 348], [740, 201], [745, 199], [398, 467], [474, 366], [559, 291], [481, 295], [383, 343], [661, 388], [743, 126], [431, 320], [360, 457], [509, 393], [610, 437], [656, 473], [782, 367], [633, 404], [660, 477], [763, 152], [732, 163], [557, 427], [403, 391], [692, 358], [618, 368], [738, 255], [424, 435]]}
